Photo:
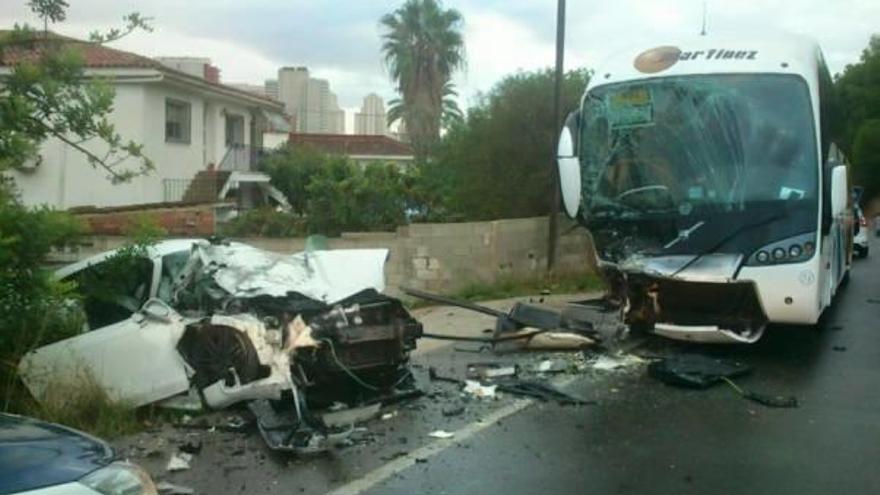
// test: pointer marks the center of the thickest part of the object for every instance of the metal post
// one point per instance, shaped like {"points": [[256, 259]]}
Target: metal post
{"points": [[557, 104]]}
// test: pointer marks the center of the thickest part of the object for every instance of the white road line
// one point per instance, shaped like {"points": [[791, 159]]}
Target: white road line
{"points": [[400, 464]]}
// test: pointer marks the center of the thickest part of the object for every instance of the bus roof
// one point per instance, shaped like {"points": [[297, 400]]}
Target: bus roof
{"points": [[713, 54]]}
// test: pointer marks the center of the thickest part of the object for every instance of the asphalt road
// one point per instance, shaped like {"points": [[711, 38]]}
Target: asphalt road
{"points": [[645, 437], [641, 436]]}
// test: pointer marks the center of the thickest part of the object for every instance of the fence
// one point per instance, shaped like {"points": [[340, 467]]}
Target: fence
{"points": [[444, 257]]}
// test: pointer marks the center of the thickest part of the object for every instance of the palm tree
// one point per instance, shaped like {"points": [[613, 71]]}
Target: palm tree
{"points": [[422, 46], [450, 112]]}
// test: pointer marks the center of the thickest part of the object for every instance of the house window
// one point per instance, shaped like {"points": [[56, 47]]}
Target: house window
{"points": [[177, 121]]}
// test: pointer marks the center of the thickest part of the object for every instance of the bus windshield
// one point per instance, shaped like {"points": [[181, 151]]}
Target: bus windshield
{"points": [[672, 165]]}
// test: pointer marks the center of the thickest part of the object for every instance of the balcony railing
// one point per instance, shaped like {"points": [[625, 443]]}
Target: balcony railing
{"points": [[242, 157], [200, 189]]}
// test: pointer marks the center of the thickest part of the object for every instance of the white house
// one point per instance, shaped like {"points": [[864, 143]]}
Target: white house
{"points": [[203, 136]]}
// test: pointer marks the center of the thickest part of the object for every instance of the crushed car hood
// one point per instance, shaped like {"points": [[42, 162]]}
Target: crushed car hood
{"points": [[326, 276]]}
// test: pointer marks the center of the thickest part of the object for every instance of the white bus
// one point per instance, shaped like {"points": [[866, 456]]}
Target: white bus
{"points": [[706, 177]]}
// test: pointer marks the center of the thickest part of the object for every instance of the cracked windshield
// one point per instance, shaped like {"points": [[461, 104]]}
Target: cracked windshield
{"points": [[672, 165], [358, 247]]}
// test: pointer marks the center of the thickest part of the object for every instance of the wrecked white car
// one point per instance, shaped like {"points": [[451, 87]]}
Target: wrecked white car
{"points": [[192, 321]]}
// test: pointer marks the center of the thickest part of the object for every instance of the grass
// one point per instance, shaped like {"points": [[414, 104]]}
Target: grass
{"points": [[508, 287], [85, 407]]}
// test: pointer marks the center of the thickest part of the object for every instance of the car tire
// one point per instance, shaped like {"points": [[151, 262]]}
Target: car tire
{"points": [[218, 348]]}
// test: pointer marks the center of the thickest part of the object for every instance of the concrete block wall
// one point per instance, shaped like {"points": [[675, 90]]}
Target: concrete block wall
{"points": [[445, 257]]}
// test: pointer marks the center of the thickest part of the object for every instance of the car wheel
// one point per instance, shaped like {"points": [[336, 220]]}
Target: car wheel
{"points": [[215, 349]]}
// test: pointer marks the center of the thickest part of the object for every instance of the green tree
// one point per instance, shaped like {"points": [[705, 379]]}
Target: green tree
{"points": [[423, 47], [41, 97], [866, 157], [342, 197], [291, 170], [499, 160], [50, 96], [858, 95]]}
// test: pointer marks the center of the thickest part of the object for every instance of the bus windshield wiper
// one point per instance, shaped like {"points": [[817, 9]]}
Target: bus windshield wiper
{"points": [[739, 230]]}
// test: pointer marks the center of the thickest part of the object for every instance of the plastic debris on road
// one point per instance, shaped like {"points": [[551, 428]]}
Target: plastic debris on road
{"points": [[696, 371], [179, 462], [166, 488], [477, 389], [609, 363], [441, 434]]}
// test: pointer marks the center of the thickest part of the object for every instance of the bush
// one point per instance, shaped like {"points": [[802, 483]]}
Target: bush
{"points": [[85, 405], [265, 222], [34, 307], [344, 197], [291, 170], [334, 195]]}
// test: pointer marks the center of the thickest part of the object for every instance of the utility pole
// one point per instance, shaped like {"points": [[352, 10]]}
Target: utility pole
{"points": [[703, 31], [553, 219]]}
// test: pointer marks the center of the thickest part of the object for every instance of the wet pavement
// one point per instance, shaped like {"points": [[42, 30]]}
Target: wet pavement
{"points": [[641, 437]]}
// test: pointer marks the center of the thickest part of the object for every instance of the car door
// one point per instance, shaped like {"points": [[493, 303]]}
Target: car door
{"points": [[134, 360]]}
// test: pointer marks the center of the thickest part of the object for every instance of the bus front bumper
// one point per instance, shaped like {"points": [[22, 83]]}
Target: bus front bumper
{"points": [[701, 304], [706, 334]]}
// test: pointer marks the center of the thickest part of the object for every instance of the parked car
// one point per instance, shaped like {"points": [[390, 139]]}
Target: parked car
{"points": [[860, 233], [39, 458]]}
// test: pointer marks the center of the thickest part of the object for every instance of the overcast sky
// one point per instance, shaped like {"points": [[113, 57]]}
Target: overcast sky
{"points": [[340, 39]]}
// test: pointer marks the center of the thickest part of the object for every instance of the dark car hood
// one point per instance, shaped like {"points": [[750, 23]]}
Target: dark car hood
{"points": [[34, 454]]}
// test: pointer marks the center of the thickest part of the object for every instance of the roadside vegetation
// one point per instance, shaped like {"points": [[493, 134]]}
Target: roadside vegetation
{"points": [[45, 98], [85, 406], [858, 124]]}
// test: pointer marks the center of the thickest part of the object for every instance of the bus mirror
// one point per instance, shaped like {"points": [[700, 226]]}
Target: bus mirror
{"points": [[838, 190], [569, 166]]}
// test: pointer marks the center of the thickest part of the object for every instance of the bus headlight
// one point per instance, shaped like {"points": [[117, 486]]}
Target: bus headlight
{"points": [[778, 254], [792, 250], [120, 478]]}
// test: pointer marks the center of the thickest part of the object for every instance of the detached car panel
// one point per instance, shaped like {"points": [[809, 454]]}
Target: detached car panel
{"points": [[134, 361]]}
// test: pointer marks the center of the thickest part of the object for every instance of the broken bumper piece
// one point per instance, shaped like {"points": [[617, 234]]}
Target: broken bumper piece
{"points": [[718, 311], [286, 433], [706, 334]]}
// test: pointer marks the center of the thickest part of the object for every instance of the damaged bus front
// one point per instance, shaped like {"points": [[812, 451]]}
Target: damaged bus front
{"points": [[705, 174]]}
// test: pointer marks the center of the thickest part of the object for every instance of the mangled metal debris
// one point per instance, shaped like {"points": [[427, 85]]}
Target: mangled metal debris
{"points": [[687, 298], [525, 326], [510, 385], [701, 372], [226, 323]]}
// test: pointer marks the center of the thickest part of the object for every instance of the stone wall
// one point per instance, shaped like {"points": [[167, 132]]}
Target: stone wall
{"points": [[443, 257], [184, 220]]}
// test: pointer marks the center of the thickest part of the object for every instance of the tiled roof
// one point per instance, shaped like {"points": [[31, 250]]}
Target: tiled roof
{"points": [[348, 144], [93, 54], [97, 56]]}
